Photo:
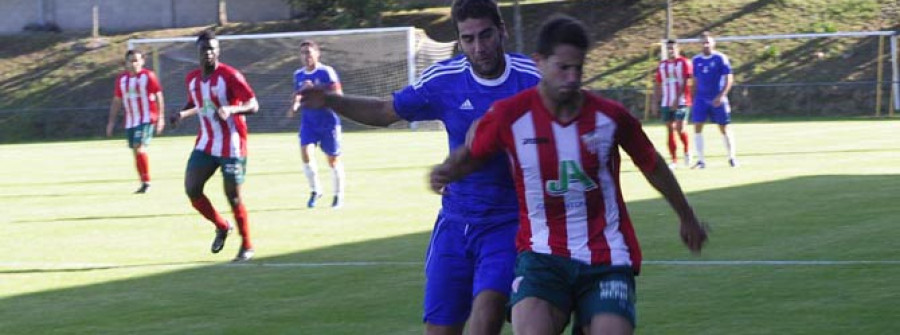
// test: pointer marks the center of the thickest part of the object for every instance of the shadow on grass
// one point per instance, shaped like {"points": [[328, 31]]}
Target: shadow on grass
{"points": [[374, 287]]}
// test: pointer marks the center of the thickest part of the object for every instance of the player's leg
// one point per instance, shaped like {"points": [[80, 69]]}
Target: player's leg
{"points": [[668, 119], [331, 146], [722, 117], [234, 171], [494, 248], [541, 294], [310, 168], [699, 115], [138, 140], [448, 278], [200, 168], [680, 116], [606, 305]]}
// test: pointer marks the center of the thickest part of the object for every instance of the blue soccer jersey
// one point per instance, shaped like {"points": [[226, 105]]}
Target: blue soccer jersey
{"points": [[710, 73], [449, 91], [318, 118]]}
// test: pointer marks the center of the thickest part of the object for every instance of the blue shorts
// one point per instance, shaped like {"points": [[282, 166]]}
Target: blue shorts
{"points": [[464, 260], [704, 111], [327, 138]]}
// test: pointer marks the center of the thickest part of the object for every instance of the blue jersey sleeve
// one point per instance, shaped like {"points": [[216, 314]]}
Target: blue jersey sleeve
{"points": [[413, 103], [726, 64]]}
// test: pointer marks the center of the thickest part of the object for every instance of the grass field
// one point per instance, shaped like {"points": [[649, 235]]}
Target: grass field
{"points": [[804, 240]]}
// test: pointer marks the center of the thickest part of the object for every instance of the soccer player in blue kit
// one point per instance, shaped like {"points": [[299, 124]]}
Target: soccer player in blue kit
{"points": [[318, 126], [470, 261], [712, 81]]}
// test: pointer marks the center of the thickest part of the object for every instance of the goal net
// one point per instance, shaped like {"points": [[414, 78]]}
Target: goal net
{"points": [[372, 62], [818, 74]]}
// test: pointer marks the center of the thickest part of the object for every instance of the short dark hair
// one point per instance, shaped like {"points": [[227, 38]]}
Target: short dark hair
{"points": [[133, 52], [206, 35], [671, 41], [561, 29], [462, 10], [309, 43]]}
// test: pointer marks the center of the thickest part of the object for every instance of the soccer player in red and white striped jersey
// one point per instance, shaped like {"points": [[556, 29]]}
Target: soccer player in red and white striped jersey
{"points": [[139, 92], [220, 96], [674, 96], [577, 248]]}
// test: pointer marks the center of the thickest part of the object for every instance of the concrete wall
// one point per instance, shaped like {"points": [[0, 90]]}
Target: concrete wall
{"points": [[125, 15]]}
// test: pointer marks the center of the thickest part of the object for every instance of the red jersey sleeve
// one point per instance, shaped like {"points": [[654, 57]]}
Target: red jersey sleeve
{"points": [[187, 85], [485, 139], [688, 68], [635, 142], [238, 88], [152, 83]]}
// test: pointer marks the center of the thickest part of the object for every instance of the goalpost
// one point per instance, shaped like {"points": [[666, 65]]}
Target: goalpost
{"points": [[815, 71], [373, 62]]}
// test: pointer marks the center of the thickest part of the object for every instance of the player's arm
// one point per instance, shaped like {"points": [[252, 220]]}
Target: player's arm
{"points": [[114, 107], [367, 110], [656, 100], [161, 121], [729, 80], [189, 109], [693, 233], [458, 164], [246, 107]]}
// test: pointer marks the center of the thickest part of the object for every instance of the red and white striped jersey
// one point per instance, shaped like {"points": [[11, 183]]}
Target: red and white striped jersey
{"points": [[567, 175], [226, 86], [138, 94], [673, 74]]}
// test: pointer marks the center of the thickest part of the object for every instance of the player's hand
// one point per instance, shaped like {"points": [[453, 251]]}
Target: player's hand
{"points": [[439, 178], [694, 234], [312, 96], [223, 112], [174, 117], [717, 102], [109, 129], [160, 126]]}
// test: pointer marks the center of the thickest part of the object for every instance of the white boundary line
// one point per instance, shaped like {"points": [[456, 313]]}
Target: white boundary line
{"points": [[13, 266]]}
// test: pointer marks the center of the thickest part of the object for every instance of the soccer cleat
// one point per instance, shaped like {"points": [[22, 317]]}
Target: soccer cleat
{"points": [[221, 235], [699, 165], [143, 189], [337, 202], [244, 255], [733, 162], [313, 197], [673, 166], [687, 160]]}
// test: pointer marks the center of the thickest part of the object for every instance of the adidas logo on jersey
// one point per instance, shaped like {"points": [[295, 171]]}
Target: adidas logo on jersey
{"points": [[466, 105]]}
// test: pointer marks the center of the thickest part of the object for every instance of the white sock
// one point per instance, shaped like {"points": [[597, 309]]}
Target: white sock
{"points": [[729, 143], [310, 170], [698, 145], [337, 176]]}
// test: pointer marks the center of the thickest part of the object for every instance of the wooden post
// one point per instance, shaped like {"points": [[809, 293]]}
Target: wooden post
{"points": [[223, 13]]}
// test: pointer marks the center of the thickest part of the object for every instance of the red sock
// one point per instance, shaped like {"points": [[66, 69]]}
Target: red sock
{"points": [[684, 140], [143, 166], [240, 215], [672, 146], [206, 209]]}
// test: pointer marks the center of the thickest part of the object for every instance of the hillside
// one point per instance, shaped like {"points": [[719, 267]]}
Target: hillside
{"points": [[44, 78]]}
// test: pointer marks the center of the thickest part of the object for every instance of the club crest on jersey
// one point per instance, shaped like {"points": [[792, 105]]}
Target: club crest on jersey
{"points": [[571, 177], [593, 142]]}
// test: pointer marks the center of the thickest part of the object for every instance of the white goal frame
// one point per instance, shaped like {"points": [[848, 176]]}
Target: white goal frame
{"points": [[410, 41]]}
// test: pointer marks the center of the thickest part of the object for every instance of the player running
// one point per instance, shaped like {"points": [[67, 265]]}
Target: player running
{"points": [[469, 262], [139, 92], [220, 97], [318, 126], [578, 252]]}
